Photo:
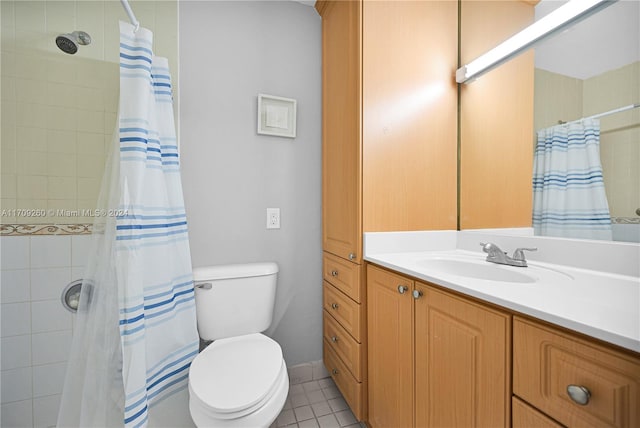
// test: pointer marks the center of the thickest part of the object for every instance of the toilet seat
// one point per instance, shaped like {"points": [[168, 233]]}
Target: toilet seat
{"points": [[236, 376]]}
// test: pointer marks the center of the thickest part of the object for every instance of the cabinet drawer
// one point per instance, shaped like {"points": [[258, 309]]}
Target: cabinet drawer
{"points": [[343, 275], [525, 416], [344, 310], [343, 345], [546, 361], [350, 388]]}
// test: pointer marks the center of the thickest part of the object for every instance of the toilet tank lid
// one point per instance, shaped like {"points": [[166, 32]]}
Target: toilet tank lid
{"points": [[207, 273]]}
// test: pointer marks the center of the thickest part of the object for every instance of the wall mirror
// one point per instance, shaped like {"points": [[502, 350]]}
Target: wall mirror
{"points": [[591, 68]]}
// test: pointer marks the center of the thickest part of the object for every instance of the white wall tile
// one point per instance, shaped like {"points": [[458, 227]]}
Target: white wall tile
{"points": [[50, 251], [14, 252], [16, 384], [16, 352], [30, 15], [15, 286], [51, 347], [60, 16], [48, 379], [77, 273], [8, 15], [80, 246], [45, 411], [16, 319], [18, 414], [47, 284], [49, 315]]}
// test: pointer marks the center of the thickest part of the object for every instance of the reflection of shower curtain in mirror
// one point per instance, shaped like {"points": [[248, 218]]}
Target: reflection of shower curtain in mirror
{"points": [[569, 198], [136, 327]]}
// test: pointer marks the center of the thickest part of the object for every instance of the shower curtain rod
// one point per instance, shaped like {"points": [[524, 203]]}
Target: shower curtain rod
{"points": [[606, 113], [132, 17]]}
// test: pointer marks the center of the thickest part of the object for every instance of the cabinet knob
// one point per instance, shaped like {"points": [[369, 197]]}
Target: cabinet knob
{"points": [[334, 372], [352, 256], [417, 294], [402, 289], [334, 273], [334, 306], [579, 394], [334, 338]]}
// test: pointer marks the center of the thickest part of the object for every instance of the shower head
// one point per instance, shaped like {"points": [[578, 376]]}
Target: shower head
{"points": [[69, 42]]}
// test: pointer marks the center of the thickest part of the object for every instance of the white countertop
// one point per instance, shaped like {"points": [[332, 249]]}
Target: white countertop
{"points": [[602, 305]]}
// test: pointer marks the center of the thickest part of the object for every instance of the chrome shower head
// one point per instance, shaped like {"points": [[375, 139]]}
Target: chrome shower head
{"points": [[69, 42]]}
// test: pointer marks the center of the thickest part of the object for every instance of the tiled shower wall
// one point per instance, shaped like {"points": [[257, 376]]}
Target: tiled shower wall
{"points": [[59, 110], [36, 329], [57, 115]]}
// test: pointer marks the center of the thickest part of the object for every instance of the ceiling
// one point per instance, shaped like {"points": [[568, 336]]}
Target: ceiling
{"points": [[605, 41]]}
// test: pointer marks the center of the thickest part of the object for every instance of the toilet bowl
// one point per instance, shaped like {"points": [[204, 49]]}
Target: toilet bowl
{"points": [[238, 382], [240, 379]]}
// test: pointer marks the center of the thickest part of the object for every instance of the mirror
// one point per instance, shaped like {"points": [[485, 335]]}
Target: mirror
{"points": [[592, 67]]}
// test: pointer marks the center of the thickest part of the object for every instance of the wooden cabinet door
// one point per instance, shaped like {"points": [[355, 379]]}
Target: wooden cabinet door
{"points": [[546, 361], [341, 129], [462, 362], [390, 349], [409, 115]]}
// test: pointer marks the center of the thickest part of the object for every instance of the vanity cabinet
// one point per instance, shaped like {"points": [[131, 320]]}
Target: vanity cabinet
{"points": [[390, 348], [546, 361], [389, 152], [435, 358], [344, 330]]}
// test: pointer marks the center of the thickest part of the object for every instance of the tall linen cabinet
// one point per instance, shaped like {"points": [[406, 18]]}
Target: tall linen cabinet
{"points": [[389, 152]]}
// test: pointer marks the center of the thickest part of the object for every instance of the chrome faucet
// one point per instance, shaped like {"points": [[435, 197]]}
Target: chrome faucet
{"points": [[496, 255]]}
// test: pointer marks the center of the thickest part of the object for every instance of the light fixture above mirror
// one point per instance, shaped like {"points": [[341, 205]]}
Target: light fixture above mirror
{"points": [[561, 18]]}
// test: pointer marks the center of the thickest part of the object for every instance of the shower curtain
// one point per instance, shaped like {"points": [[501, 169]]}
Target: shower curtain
{"points": [[569, 198], [136, 331]]}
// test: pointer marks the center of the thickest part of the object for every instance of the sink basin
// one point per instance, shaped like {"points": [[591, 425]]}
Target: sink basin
{"points": [[478, 270]]}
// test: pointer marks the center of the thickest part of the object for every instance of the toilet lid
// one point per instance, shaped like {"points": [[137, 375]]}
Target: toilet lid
{"points": [[236, 373]]}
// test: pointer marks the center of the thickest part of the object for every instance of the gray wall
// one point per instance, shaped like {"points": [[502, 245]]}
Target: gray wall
{"points": [[230, 52]]}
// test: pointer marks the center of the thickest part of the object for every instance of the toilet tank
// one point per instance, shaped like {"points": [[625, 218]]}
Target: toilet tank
{"points": [[240, 300]]}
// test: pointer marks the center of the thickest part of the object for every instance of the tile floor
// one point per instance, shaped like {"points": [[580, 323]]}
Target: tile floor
{"points": [[316, 404]]}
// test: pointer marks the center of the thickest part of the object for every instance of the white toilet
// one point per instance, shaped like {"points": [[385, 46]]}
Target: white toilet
{"points": [[239, 380]]}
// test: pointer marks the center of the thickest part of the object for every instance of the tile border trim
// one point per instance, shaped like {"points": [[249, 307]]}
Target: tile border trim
{"points": [[45, 229]]}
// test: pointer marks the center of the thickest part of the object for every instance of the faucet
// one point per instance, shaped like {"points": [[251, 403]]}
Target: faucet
{"points": [[496, 255]]}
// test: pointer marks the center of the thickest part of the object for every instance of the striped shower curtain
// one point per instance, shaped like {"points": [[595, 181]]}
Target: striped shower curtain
{"points": [[155, 285], [135, 332], [568, 190]]}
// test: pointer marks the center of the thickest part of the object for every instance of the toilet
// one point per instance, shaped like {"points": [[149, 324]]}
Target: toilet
{"points": [[239, 380]]}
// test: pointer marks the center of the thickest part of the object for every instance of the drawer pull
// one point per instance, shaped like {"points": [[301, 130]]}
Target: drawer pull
{"points": [[334, 306], [352, 256], [417, 294], [334, 273], [402, 289], [579, 394], [334, 372], [334, 339]]}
